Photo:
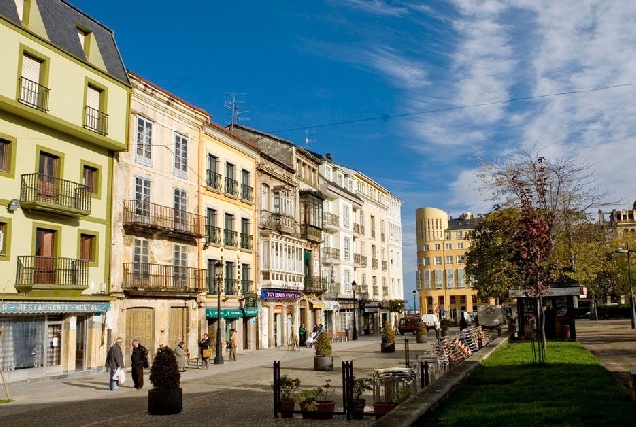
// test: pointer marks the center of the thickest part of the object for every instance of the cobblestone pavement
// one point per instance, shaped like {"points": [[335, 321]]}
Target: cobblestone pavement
{"points": [[239, 393], [233, 394]]}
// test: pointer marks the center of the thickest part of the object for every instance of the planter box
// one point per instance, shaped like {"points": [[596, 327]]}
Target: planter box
{"points": [[382, 408], [387, 347], [323, 363], [165, 402]]}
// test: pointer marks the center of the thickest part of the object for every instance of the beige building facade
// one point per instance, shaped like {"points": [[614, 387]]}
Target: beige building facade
{"points": [[64, 99]]}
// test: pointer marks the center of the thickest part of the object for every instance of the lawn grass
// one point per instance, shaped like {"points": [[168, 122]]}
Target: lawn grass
{"points": [[507, 389]]}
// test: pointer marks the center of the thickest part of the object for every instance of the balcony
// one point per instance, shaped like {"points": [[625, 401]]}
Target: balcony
{"points": [[278, 222], [357, 259], [311, 233], [95, 120], [34, 94], [246, 286], [385, 291], [363, 261], [382, 237], [376, 291], [231, 286], [213, 180], [373, 233], [151, 217], [333, 290], [330, 255], [50, 194], [374, 263], [231, 186], [315, 284], [247, 193], [358, 229], [385, 265], [50, 276], [212, 235], [330, 221], [246, 241], [230, 238], [147, 279]]}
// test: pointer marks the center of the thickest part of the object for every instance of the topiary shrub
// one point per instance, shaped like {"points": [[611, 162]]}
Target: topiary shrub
{"points": [[322, 345], [164, 373], [388, 335]]}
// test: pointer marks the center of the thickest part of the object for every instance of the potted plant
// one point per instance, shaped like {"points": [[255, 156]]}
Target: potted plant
{"points": [[165, 398], [420, 334], [388, 339], [317, 403], [288, 387], [360, 385], [391, 401], [323, 360]]}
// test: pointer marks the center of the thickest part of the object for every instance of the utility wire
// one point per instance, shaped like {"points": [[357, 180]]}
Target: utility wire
{"points": [[459, 107]]}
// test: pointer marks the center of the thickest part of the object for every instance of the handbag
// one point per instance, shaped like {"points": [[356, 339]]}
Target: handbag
{"points": [[229, 345], [207, 353]]}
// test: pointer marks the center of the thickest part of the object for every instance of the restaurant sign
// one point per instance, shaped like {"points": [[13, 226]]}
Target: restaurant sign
{"points": [[20, 307]]}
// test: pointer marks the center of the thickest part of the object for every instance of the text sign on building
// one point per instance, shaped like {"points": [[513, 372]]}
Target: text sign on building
{"points": [[274, 294], [16, 307]]}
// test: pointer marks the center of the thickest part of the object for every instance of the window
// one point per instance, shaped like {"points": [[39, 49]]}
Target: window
{"points": [[339, 179], [87, 247], [211, 276], [210, 227], [246, 238], [449, 260], [440, 301], [32, 92], [143, 143], [453, 299], [180, 263], [438, 279], [345, 216], [450, 279], [462, 299], [5, 147], [460, 234], [438, 260], [94, 118], [180, 207], [180, 155], [47, 187], [230, 274], [230, 183], [449, 246], [140, 259], [461, 259], [89, 179], [245, 279], [438, 247], [3, 238], [461, 278], [427, 261], [460, 245], [426, 247], [246, 188], [265, 197], [142, 196], [347, 249], [213, 178], [229, 230], [328, 173], [427, 279]]}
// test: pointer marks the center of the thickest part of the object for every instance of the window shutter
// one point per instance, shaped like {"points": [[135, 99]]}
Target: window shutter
{"points": [[92, 97], [31, 68]]}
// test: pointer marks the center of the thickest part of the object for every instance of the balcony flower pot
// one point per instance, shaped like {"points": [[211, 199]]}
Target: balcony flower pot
{"points": [[166, 396], [382, 408]]}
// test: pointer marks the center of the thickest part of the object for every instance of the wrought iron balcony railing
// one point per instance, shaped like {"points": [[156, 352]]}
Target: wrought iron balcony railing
{"points": [[316, 284], [142, 214], [357, 258], [231, 186], [278, 222], [47, 193], [246, 241], [374, 263], [95, 120], [213, 180], [212, 235], [247, 193], [385, 265], [57, 272], [363, 261], [230, 238], [331, 253], [311, 233], [246, 286], [382, 237], [231, 286], [376, 291], [358, 229], [330, 220], [385, 290], [34, 94], [144, 277]]}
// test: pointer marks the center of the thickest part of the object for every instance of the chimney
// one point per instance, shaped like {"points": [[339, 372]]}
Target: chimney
{"points": [[329, 157]]}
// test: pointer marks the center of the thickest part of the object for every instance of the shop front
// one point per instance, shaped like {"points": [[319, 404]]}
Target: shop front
{"points": [[279, 316], [41, 338]]}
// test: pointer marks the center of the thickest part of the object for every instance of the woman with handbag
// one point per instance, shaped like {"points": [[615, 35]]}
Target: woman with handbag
{"points": [[205, 352]]}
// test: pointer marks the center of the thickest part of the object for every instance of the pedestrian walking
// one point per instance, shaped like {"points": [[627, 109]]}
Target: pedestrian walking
{"points": [[233, 345], [138, 361], [302, 335], [205, 352], [114, 360], [181, 354]]}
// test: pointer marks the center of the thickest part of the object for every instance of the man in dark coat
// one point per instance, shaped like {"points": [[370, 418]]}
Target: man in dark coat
{"points": [[204, 345], [138, 361], [114, 360]]}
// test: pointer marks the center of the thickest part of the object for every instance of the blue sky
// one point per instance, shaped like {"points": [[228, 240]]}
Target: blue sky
{"points": [[308, 65]]}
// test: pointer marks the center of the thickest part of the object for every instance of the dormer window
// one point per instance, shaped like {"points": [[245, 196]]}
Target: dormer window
{"points": [[84, 39]]}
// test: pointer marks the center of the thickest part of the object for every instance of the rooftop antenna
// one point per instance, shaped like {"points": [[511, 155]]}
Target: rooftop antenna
{"points": [[307, 139], [233, 105]]}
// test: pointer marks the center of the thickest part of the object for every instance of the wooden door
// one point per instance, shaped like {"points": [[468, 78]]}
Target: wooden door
{"points": [[177, 331], [47, 178], [140, 325], [44, 265]]}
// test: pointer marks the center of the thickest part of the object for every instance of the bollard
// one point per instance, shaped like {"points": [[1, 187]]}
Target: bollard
{"points": [[407, 355]]}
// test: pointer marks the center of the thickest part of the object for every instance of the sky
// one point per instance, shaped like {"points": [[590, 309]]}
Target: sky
{"points": [[411, 93]]}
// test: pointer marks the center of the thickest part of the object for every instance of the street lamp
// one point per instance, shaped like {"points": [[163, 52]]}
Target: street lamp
{"points": [[631, 290], [414, 306], [355, 308], [218, 273]]}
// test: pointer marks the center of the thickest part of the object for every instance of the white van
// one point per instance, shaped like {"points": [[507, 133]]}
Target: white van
{"points": [[431, 321]]}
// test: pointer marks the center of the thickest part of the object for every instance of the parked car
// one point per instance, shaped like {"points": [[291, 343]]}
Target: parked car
{"points": [[431, 320], [408, 324]]}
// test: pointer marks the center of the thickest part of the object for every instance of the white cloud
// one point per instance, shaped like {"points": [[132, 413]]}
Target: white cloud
{"points": [[378, 7]]}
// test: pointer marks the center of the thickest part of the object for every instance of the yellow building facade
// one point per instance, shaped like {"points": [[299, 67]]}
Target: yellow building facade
{"points": [[441, 283], [64, 99]]}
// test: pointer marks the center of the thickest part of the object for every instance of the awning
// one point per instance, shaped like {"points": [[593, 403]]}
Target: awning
{"points": [[331, 305], [250, 311], [226, 313], [317, 303]]}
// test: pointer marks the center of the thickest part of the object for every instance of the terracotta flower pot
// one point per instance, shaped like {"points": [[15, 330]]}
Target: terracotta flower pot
{"points": [[287, 408], [357, 409], [324, 410], [382, 408]]}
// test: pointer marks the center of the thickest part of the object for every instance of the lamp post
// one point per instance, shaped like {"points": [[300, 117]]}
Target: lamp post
{"points": [[631, 289], [414, 306], [218, 272], [355, 308]]}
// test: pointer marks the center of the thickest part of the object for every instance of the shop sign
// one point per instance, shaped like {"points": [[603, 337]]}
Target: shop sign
{"points": [[17, 307], [279, 295]]}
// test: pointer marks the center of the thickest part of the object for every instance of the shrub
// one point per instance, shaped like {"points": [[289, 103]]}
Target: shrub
{"points": [[322, 345], [288, 386], [164, 373], [422, 329], [388, 335], [360, 385]]}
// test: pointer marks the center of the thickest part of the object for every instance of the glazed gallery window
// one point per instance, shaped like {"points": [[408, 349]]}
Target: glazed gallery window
{"points": [[143, 142]]}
